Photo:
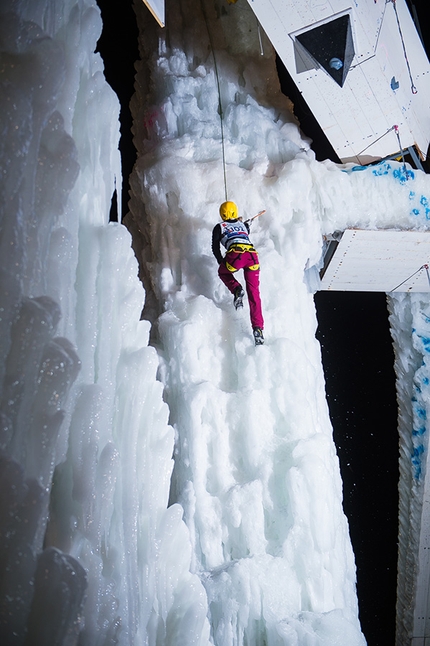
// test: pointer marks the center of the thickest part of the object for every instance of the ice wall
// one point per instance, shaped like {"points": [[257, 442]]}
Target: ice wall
{"points": [[409, 320], [255, 465], [90, 549], [85, 534], [255, 468]]}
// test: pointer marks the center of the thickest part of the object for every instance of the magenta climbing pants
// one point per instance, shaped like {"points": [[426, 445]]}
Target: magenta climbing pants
{"points": [[244, 261]]}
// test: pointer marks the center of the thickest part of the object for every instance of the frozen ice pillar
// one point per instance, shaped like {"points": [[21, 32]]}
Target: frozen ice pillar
{"points": [[89, 550], [255, 470]]}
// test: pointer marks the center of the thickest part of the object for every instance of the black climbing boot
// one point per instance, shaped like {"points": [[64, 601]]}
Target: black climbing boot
{"points": [[238, 297], [258, 336]]}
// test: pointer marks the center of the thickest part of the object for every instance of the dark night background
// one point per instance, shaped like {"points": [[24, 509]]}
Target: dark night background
{"points": [[357, 354]]}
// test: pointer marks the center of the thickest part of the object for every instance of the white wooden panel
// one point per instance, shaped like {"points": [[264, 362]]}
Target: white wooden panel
{"points": [[363, 111], [379, 261]]}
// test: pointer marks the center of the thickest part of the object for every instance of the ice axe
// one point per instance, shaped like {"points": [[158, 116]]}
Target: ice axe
{"points": [[255, 216]]}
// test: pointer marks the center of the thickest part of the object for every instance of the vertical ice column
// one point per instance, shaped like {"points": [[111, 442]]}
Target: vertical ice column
{"points": [[410, 319], [38, 368], [85, 442], [255, 466]]}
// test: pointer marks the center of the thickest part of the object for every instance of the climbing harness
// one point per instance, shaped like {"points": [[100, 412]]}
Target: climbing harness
{"points": [[241, 247], [426, 267], [235, 251], [220, 112]]}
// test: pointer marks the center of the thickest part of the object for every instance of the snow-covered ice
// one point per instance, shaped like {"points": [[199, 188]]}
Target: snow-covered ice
{"points": [[185, 491]]}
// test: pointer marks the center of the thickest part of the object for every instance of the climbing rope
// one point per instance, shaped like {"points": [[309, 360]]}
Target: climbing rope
{"points": [[426, 267], [413, 88], [396, 130], [393, 2], [380, 28], [220, 111], [376, 140]]}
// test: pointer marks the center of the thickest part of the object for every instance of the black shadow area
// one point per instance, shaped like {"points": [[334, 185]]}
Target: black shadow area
{"points": [[358, 361], [118, 47]]}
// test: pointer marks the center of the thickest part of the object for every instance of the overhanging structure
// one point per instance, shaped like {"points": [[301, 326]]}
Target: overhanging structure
{"points": [[361, 69], [363, 260], [365, 76]]}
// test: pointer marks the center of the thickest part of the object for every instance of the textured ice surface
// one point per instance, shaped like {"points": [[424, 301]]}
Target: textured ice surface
{"points": [[254, 546], [410, 319], [86, 445], [255, 467]]}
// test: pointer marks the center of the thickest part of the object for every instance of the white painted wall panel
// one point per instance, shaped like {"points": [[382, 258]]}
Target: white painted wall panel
{"points": [[379, 261], [363, 111]]}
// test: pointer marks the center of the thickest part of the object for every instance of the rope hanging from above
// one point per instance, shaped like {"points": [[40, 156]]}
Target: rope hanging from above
{"points": [[220, 111], [413, 88]]}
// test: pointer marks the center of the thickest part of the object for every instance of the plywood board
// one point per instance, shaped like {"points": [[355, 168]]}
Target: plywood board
{"points": [[367, 107], [379, 261]]}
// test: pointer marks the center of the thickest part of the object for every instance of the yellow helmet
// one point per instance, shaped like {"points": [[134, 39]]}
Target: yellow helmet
{"points": [[228, 211]]}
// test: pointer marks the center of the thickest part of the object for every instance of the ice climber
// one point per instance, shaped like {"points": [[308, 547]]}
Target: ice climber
{"points": [[232, 233]]}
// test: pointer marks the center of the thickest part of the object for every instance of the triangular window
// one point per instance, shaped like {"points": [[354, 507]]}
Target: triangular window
{"points": [[330, 45]]}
